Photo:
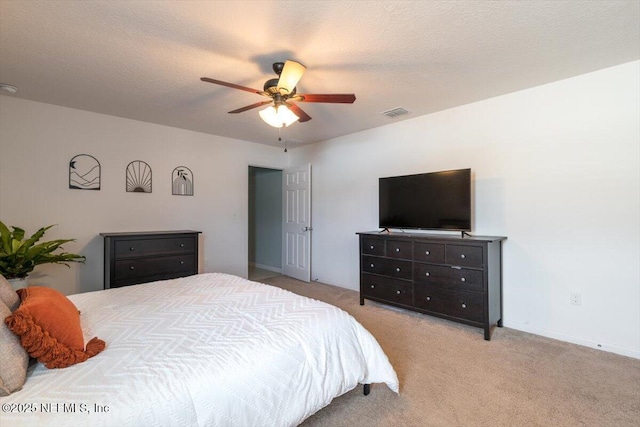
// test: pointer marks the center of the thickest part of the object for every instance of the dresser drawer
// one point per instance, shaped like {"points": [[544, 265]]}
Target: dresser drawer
{"points": [[465, 256], [398, 291], [450, 277], [429, 252], [400, 269], [146, 247], [125, 269], [373, 246], [460, 304], [399, 249]]}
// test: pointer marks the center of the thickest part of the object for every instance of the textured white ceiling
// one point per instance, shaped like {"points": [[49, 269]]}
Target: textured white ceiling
{"points": [[143, 59]]}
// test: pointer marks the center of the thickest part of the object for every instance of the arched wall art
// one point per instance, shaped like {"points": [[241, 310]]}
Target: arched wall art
{"points": [[84, 173], [138, 177], [182, 181]]}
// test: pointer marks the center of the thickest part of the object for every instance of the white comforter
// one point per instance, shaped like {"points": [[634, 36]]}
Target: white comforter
{"points": [[206, 350]]}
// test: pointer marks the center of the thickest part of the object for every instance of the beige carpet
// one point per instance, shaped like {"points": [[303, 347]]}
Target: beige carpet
{"points": [[450, 376]]}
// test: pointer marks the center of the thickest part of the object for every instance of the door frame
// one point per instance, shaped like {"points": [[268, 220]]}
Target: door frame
{"points": [[248, 236]]}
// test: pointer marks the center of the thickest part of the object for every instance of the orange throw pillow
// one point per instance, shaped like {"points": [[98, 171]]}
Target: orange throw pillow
{"points": [[48, 325]]}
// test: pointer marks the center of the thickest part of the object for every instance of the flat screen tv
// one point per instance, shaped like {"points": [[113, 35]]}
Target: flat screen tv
{"points": [[429, 201]]}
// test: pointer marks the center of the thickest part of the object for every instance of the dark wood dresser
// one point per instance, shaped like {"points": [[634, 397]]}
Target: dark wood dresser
{"points": [[453, 277], [140, 257]]}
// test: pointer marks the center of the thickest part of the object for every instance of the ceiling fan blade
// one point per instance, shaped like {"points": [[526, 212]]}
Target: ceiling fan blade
{"points": [[249, 107], [290, 76], [336, 98], [304, 117], [232, 85]]}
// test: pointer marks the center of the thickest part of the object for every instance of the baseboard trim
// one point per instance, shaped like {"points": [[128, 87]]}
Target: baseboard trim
{"points": [[574, 340], [266, 267]]}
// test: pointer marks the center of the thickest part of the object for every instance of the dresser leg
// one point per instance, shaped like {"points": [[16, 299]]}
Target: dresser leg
{"points": [[361, 300], [499, 323], [367, 389], [487, 334]]}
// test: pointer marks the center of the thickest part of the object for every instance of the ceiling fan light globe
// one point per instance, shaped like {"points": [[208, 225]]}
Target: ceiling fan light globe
{"points": [[278, 116]]}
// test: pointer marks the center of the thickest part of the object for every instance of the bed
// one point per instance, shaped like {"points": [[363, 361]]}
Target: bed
{"points": [[205, 350]]}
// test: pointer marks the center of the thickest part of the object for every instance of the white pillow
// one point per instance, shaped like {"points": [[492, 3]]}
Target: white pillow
{"points": [[14, 359], [8, 295]]}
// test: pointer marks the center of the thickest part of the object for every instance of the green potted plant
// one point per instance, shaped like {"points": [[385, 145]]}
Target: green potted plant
{"points": [[19, 256]]}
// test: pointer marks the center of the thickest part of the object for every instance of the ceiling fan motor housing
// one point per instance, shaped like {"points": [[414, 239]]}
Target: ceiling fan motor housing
{"points": [[271, 87]]}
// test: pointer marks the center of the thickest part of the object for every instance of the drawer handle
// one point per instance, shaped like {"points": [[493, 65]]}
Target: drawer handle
{"points": [[397, 249], [132, 268], [428, 298], [463, 256], [398, 269], [372, 265], [462, 279], [371, 247], [132, 248], [427, 274], [464, 305], [182, 245], [427, 253], [182, 262], [398, 292], [373, 286]]}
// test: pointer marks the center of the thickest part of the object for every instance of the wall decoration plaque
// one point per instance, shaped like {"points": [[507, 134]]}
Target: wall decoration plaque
{"points": [[182, 181], [138, 177], [84, 172]]}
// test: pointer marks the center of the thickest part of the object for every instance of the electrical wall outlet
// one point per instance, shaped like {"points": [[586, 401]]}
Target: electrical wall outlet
{"points": [[576, 298]]}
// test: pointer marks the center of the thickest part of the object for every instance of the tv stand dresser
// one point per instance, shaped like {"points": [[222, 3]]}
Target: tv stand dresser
{"points": [[453, 277]]}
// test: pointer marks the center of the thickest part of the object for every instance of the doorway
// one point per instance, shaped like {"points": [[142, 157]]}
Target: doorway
{"points": [[265, 223]]}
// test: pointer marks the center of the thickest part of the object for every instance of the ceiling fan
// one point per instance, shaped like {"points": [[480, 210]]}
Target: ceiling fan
{"points": [[282, 94]]}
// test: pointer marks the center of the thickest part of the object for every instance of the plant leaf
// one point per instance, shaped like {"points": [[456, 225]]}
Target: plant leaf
{"points": [[5, 236], [18, 233], [36, 237]]}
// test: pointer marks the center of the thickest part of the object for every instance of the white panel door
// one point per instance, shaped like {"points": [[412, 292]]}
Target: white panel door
{"points": [[296, 227]]}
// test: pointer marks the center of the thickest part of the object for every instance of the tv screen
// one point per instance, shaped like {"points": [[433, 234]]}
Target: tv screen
{"points": [[433, 201]]}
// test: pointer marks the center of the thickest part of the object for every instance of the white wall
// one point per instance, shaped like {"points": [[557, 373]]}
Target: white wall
{"points": [[556, 170], [37, 141]]}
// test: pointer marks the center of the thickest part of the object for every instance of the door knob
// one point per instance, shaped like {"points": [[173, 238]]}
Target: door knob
{"points": [[307, 228]]}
